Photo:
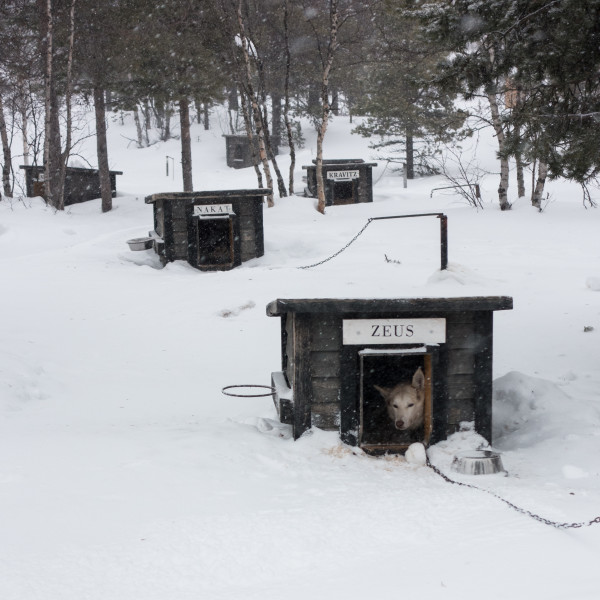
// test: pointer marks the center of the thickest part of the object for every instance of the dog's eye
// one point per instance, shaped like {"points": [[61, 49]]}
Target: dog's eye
{"points": [[395, 406], [410, 405]]}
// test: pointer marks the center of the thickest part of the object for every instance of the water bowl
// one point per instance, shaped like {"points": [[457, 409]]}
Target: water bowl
{"points": [[144, 243], [478, 462]]}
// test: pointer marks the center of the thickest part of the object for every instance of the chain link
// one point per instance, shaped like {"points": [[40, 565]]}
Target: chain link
{"points": [[341, 249], [523, 511]]}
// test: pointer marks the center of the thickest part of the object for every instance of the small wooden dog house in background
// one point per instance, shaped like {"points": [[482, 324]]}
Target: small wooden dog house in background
{"points": [[81, 184], [334, 353], [347, 181], [239, 150], [216, 230]]}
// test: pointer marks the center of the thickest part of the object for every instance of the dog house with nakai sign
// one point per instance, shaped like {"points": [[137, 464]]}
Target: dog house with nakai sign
{"points": [[347, 181], [212, 231], [349, 364]]}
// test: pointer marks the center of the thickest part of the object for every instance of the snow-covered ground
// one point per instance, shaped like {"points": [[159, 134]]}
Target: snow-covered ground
{"points": [[126, 474]]}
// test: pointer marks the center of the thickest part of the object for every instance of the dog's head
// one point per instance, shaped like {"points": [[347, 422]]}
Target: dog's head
{"points": [[405, 402]]}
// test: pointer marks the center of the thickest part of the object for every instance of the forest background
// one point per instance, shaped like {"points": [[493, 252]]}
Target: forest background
{"points": [[404, 65]]}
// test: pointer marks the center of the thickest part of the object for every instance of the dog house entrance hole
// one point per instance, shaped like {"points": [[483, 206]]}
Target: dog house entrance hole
{"points": [[215, 241], [344, 192], [386, 368], [238, 154]]}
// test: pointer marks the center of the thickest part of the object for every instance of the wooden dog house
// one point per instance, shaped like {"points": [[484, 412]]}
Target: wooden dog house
{"points": [[239, 153], [347, 181], [334, 351], [81, 185], [215, 230]]}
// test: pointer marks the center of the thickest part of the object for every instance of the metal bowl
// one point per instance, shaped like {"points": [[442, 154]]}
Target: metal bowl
{"points": [[143, 243], [478, 462]]}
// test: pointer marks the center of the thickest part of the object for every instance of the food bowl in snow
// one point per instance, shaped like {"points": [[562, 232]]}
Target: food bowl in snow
{"points": [[143, 243], [478, 462]]}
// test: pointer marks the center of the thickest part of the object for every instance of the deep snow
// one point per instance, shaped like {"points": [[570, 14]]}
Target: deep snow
{"points": [[126, 474]]}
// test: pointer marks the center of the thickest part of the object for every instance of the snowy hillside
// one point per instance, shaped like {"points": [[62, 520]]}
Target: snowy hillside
{"points": [[126, 474]]}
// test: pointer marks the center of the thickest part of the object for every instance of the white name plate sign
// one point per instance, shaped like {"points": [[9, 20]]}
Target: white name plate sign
{"points": [[394, 331], [342, 175], [213, 209]]}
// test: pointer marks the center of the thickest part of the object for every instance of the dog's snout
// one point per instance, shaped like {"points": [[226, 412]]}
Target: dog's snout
{"points": [[400, 424]]}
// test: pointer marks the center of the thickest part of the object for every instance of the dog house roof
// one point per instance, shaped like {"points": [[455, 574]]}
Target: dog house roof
{"points": [[207, 195], [282, 306], [341, 162]]}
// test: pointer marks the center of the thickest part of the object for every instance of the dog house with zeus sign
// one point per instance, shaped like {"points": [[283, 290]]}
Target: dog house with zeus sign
{"points": [[347, 181], [386, 373], [215, 230]]}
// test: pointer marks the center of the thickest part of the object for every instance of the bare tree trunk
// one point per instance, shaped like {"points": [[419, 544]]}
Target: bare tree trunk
{"points": [[6, 154], [138, 127], [248, 125], [539, 185], [331, 48], [520, 167], [68, 96], [22, 99], [186, 144], [48, 75], [410, 155], [520, 176], [255, 105], [232, 97], [102, 149], [56, 182], [205, 116], [497, 124], [276, 120], [261, 97], [147, 121], [335, 102], [286, 93], [167, 123]]}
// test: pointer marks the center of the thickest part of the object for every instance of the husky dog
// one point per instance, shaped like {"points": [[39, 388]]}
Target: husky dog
{"points": [[405, 402]]}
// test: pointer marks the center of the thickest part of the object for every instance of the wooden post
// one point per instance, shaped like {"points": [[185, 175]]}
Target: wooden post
{"points": [[301, 384], [444, 241]]}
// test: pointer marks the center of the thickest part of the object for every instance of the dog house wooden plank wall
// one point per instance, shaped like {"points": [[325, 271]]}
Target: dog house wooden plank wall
{"points": [[335, 351], [212, 230], [81, 185], [239, 150], [347, 181]]}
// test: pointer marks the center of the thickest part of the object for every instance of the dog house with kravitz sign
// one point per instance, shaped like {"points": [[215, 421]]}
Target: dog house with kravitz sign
{"points": [[212, 231], [347, 181], [388, 372]]}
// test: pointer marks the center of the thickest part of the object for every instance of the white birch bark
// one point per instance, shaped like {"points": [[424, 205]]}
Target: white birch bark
{"points": [[497, 124], [539, 184], [331, 48], [255, 105]]}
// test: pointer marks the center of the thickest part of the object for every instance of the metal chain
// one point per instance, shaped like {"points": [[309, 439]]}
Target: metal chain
{"points": [[341, 249], [514, 506]]}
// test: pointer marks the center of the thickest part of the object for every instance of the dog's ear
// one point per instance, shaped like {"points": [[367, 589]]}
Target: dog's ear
{"points": [[385, 392], [418, 380]]}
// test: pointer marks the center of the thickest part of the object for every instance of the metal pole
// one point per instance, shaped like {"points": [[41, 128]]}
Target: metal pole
{"points": [[444, 241]]}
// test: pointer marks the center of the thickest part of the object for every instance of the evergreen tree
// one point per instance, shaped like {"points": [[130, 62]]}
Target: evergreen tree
{"points": [[402, 105]]}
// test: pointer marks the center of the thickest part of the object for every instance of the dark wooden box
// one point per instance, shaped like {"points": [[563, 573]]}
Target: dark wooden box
{"points": [[239, 150], [216, 230], [81, 185], [328, 376], [347, 181]]}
